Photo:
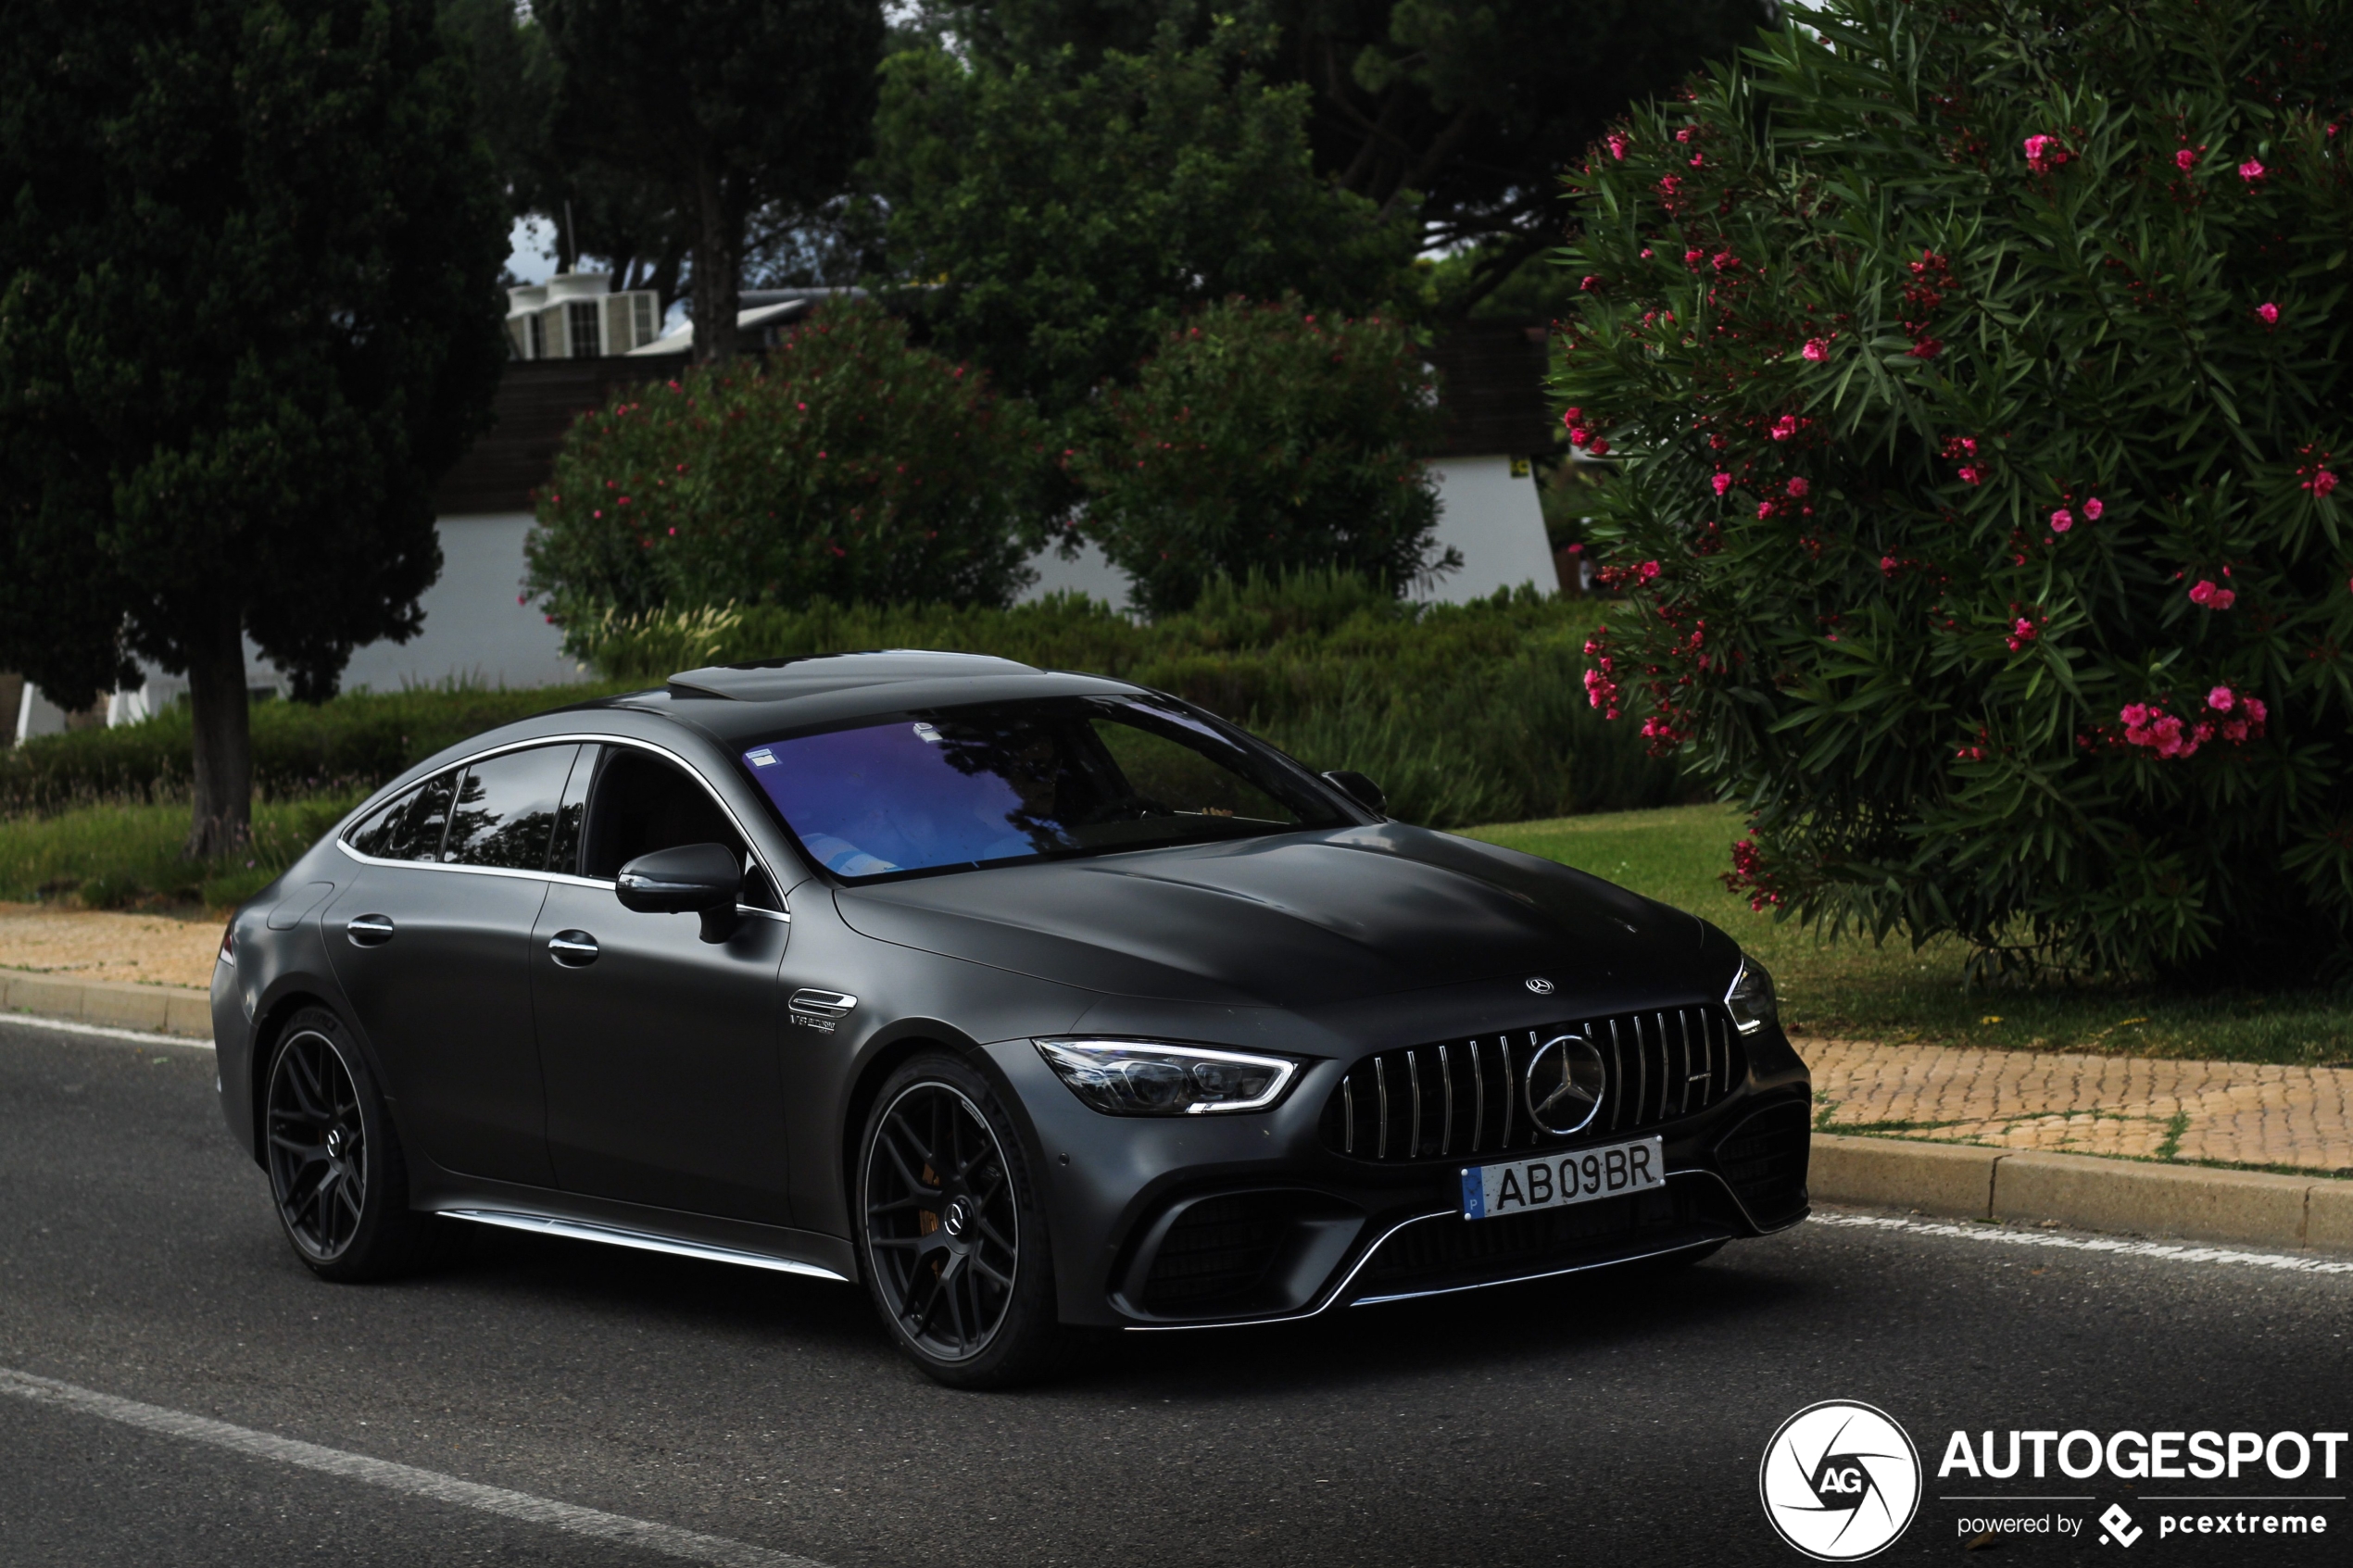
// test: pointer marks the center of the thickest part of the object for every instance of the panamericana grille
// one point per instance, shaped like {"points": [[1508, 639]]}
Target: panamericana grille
{"points": [[1460, 1099]]}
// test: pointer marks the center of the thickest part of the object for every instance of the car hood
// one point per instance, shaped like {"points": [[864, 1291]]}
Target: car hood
{"points": [[1298, 919]]}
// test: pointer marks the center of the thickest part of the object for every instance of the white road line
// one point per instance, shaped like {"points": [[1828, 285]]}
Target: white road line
{"points": [[144, 1037], [2005, 1235], [667, 1540]]}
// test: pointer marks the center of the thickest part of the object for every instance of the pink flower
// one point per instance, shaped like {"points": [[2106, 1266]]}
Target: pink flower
{"points": [[2093, 509], [1647, 570], [2321, 483], [1972, 476], [1698, 160], [1887, 565], [1721, 483], [2185, 160], [2254, 709], [1692, 257], [1577, 437], [1684, 134], [2269, 312], [1646, 253], [1598, 447], [1816, 349], [1763, 509], [1617, 146], [2035, 147], [2024, 628], [2250, 171], [1588, 284], [1797, 488], [2134, 714], [1785, 427], [1723, 260], [2220, 700], [2206, 593], [2061, 521]]}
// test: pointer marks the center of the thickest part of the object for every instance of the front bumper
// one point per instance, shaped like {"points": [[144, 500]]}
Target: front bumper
{"points": [[1193, 1221]]}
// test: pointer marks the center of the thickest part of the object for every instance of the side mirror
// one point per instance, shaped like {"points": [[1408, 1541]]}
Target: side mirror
{"points": [[692, 879], [1359, 788]]}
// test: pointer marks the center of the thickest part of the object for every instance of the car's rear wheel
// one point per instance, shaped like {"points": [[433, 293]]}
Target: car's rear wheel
{"points": [[335, 1161], [950, 1239]]}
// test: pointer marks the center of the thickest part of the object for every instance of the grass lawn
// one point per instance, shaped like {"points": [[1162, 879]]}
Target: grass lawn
{"points": [[128, 856], [1853, 990]]}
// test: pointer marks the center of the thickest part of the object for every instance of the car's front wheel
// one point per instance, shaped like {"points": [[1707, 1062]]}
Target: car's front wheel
{"points": [[335, 1161], [952, 1241]]}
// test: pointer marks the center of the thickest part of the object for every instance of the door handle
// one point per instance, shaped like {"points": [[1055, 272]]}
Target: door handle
{"points": [[368, 931], [573, 950]]}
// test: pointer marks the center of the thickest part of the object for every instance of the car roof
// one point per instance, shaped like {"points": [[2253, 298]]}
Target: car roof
{"points": [[741, 701]]}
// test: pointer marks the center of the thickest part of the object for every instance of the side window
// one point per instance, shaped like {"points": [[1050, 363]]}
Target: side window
{"points": [[505, 811], [563, 847], [641, 804], [409, 827]]}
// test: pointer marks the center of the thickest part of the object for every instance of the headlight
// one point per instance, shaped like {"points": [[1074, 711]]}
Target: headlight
{"points": [[1146, 1078], [1750, 1000]]}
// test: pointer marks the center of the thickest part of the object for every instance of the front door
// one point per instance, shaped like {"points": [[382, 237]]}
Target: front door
{"points": [[660, 1048]]}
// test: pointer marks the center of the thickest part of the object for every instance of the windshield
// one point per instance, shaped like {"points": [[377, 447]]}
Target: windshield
{"points": [[976, 786]]}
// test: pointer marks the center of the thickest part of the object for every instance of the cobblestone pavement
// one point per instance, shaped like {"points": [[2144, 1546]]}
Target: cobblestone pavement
{"points": [[107, 944], [2242, 1113]]}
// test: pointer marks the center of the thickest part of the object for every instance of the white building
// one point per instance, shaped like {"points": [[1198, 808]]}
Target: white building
{"points": [[480, 627], [578, 316]]}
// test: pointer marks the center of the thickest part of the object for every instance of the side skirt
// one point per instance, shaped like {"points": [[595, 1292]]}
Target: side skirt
{"points": [[614, 1236]]}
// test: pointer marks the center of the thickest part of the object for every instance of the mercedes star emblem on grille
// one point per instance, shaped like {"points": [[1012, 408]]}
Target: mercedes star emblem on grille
{"points": [[1565, 1082], [1540, 986]]}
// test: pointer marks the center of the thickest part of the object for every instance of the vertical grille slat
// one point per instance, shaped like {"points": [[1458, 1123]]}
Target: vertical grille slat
{"points": [[1446, 1115], [1661, 1064], [1478, 1093]]}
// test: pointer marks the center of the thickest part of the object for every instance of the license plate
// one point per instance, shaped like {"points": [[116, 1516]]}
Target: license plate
{"points": [[1557, 1180]]}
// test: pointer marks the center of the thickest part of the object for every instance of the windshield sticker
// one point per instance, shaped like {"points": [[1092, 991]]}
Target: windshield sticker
{"points": [[761, 758]]}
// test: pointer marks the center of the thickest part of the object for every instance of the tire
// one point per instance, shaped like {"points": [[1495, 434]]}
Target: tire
{"points": [[950, 1239], [336, 1173]]}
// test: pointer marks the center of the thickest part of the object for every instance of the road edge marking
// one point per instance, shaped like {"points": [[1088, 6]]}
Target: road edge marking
{"points": [[2171, 1252], [594, 1524], [68, 1026]]}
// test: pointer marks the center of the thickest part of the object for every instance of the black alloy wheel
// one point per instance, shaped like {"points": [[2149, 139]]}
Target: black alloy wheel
{"points": [[335, 1167], [954, 1248]]}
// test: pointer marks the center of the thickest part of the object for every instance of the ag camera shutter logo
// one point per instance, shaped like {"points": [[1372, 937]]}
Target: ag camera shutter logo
{"points": [[1840, 1481]]}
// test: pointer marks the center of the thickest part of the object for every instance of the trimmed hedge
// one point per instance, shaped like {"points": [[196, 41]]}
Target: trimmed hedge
{"points": [[1464, 713], [299, 749]]}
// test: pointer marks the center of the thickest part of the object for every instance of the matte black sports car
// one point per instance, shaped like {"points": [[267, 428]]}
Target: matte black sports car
{"points": [[1030, 1000]]}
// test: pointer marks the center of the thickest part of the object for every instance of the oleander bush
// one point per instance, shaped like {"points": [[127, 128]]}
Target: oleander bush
{"points": [[847, 463], [1979, 372]]}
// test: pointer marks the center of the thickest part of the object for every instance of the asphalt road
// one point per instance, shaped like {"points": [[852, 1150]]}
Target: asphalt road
{"points": [[1598, 1421]]}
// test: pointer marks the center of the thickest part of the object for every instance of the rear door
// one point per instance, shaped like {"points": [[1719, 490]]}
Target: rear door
{"points": [[660, 1048], [431, 943]]}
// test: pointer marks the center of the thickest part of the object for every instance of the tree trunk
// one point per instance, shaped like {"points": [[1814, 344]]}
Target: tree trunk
{"points": [[718, 239], [217, 704]]}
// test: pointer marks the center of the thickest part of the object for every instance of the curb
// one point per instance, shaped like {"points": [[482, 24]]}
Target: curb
{"points": [[112, 1003], [2194, 1202]]}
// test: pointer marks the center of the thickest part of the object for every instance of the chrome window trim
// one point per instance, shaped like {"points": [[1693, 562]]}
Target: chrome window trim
{"points": [[752, 845]]}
